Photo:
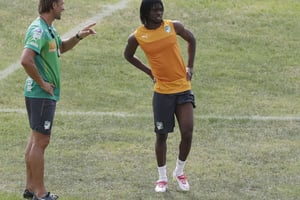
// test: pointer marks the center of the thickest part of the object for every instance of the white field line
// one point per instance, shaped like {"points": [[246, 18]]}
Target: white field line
{"points": [[127, 114], [107, 11]]}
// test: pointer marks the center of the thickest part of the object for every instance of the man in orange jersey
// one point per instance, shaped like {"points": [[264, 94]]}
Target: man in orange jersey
{"points": [[172, 83]]}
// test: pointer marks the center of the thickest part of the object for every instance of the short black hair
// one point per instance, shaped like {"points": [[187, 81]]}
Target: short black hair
{"points": [[146, 7]]}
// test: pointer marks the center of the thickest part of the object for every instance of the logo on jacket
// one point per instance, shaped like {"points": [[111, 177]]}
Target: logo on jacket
{"points": [[168, 29], [52, 46], [144, 36]]}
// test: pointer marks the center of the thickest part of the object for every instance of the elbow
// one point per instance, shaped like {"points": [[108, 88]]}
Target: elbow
{"points": [[24, 62], [127, 56], [27, 58], [192, 40], [61, 49], [192, 43], [124, 55]]}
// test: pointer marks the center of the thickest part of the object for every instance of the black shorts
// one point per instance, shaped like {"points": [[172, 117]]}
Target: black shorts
{"points": [[40, 114], [164, 106]]}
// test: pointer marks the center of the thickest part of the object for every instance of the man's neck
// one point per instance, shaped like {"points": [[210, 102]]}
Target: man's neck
{"points": [[152, 26], [47, 18]]}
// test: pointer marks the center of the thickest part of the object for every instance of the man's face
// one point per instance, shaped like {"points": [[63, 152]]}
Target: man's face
{"points": [[156, 14], [58, 8]]}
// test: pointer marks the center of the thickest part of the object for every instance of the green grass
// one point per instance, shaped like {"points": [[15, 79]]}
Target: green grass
{"points": [[246, 65]]}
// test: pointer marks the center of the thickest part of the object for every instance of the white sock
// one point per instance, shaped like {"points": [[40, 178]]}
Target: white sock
{"points": [[179, 167], [162, 173]]}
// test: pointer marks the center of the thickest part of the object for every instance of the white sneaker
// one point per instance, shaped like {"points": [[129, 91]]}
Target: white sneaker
{"points": [[161, 186], [182, 182]]}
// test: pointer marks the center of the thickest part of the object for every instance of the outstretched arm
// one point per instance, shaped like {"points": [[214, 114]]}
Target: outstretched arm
{"points": [[129, 52], [73, 41]]}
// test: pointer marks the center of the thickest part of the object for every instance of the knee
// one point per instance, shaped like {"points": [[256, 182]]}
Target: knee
{"points": [[41, 143], [161, 138], [187, 135], [26, 156], [44, 143]]}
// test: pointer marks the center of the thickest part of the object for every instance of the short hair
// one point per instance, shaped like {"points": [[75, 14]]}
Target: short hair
{"points": [[145, 8], [46, 5]]}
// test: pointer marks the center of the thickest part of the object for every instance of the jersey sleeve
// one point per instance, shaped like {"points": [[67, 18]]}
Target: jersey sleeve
{"points": [[34, 39]]}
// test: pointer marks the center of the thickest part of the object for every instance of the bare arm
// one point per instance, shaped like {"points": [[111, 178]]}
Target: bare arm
{"points": [[189, 37], [27, 61], [73, 41], [129, 52]]}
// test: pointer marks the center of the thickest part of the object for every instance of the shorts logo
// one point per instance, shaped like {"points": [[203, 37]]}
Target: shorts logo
{"points": [[47, 125], [159, 125]]}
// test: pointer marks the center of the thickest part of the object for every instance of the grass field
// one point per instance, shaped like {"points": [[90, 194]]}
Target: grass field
{"points": [[247, 121]]}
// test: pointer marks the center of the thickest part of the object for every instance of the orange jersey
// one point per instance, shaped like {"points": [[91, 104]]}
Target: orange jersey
{"points": [[163, 53]]}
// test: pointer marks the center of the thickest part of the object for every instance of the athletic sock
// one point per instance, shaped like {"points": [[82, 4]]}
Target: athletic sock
{"points": [[179, 167], [162, 173]]}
